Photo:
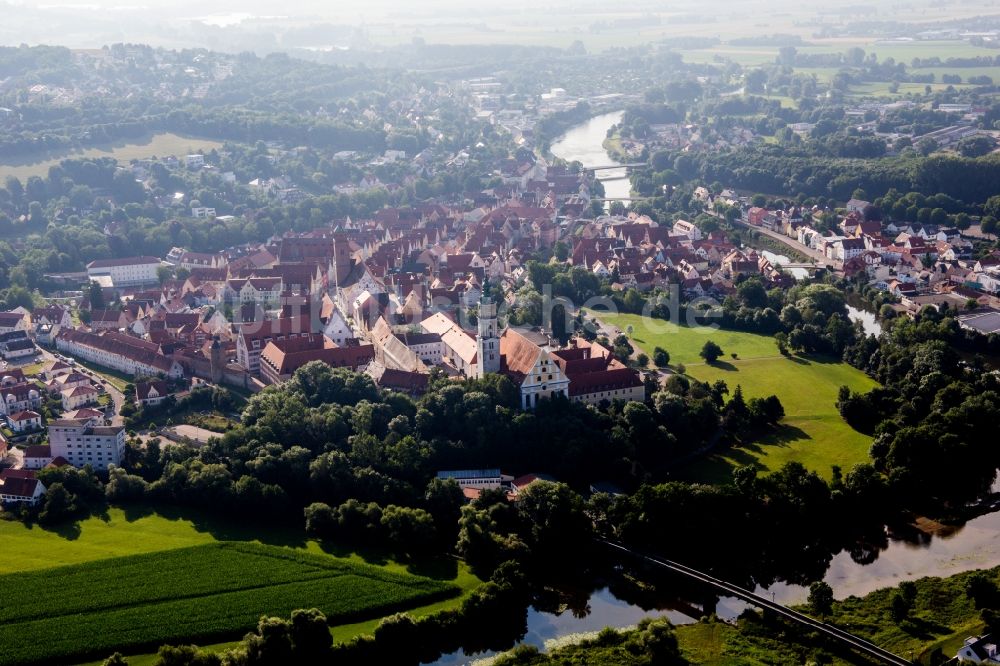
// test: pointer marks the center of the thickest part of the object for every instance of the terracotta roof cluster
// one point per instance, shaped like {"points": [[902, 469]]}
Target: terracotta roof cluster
{"points": [[591, 368], [286, 356]]}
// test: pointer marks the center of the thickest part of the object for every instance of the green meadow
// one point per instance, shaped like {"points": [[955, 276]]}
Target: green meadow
{"points": [[222, 577], [812, 432]]}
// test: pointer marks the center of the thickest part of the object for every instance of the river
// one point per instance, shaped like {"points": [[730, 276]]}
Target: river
{"points": [[585, 144]]}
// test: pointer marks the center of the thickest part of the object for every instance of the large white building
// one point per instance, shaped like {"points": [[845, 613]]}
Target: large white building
{"points": [[83, 444], [125, 272], [124, 353]]}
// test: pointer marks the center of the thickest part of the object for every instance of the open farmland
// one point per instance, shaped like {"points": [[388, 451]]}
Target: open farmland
{"points": [[212, 591], [160, 145], [812, 432]]}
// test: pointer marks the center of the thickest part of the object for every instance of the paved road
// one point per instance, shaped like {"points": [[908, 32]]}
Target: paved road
{"points": [[117, 398], [836, 633], [816, 255]]}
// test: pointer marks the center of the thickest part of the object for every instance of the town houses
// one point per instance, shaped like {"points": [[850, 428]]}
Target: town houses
{"points": [[390, 295]]}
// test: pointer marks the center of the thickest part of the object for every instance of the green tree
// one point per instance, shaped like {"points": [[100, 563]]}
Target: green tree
{"points": [[661, 357], [710, 351], [899, 607], [96, 295], [820, 598], [988, 225], [310, 634], [271, 644], [558, 523], [59, 504]]}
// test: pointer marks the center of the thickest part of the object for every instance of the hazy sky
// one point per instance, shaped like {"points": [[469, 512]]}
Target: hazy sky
{"points": [[262, 26]]}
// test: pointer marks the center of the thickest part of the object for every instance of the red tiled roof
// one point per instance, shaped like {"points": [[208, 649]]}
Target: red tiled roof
{"points": [[38, 451], [19, 487]]}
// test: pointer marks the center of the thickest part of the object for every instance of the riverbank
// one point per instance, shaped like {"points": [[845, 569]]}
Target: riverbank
{"points": [[613, 146], [940, 617], [926, 621]]}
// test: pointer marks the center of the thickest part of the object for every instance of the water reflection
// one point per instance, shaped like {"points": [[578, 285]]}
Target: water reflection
{"points": [[869, 322], [882, 559]]}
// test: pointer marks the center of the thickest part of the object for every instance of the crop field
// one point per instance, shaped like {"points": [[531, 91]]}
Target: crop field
{"points": [[812, 432], [159, 145], [211, 591]]}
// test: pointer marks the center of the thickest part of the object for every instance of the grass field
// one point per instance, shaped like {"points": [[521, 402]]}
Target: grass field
{"points": [[812, 431], [113, 377], [160, 145], [137, 531], [204, 591]]}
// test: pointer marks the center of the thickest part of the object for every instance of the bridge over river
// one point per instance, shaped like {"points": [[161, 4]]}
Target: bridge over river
{"points": [[860, 644]]}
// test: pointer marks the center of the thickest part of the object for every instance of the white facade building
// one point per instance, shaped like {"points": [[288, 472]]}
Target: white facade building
{"points": [[82, 444], [127, 271]]}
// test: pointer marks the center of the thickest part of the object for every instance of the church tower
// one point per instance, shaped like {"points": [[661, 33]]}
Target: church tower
{"points": [[488, 339]]}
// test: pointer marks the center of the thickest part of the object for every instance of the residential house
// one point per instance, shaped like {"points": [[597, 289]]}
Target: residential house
{"points": [[16, 398], [459, 346], [37, 456], [689, 229], [16, 344], [401, 381], [979, 650], [857, 206], [151, 393], [13, 321], [264, 290], [67, 381], [518, 485], [25, 421], [78, 397], [20, 489], [428, 346], [109, 320]]}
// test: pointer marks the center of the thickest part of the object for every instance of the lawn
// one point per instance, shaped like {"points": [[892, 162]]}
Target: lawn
{"points": [[208, 591], [159, 145], [117, 379], [812, 432]]}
